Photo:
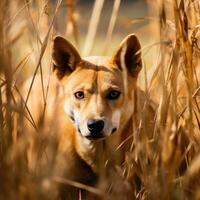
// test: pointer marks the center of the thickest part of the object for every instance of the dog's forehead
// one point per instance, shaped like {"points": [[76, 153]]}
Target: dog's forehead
{"points": [[98, 60], [95, 71]]}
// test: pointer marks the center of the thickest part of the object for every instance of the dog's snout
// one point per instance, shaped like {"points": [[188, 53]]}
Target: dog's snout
{"points": [[95, 126]]}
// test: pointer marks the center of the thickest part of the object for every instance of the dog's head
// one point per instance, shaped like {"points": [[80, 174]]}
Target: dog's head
{"points": [[98, 90]]}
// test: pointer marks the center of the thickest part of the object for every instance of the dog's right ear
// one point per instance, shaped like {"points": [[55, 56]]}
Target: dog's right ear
{"points": [[65, 57]]}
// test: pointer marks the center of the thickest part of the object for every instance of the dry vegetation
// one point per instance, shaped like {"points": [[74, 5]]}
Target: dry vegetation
{"points": [[166, 166]]}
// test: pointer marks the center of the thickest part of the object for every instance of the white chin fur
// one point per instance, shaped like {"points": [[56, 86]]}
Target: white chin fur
{"points": [[66, 108], [116, 118]]}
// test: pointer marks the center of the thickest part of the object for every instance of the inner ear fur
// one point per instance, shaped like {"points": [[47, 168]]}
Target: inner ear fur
{"points": [[129, 54], [65, 57]]}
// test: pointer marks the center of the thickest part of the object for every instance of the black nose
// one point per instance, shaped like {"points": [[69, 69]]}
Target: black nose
{"points": [[95, 126]]}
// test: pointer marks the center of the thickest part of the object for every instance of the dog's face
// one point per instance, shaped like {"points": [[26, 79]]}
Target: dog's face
{"points": [[96, 98]]}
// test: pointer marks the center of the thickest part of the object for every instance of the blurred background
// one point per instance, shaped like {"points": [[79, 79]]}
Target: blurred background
{"points": [[165, 166]]}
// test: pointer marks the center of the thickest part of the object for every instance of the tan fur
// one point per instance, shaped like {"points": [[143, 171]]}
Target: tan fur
{"points": [[82, 159]]}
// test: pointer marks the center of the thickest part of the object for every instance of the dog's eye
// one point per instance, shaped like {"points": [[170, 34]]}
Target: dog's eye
{"points": [[79, 95], [114, 94]]}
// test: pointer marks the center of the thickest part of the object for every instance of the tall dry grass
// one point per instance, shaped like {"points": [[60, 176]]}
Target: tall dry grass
{"points": [[164, 166]]}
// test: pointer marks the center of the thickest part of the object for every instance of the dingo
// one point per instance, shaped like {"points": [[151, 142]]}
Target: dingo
{"points": [[100, 100]]}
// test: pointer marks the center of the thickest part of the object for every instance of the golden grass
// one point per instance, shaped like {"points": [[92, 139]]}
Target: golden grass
{"points": [[165, 166]]}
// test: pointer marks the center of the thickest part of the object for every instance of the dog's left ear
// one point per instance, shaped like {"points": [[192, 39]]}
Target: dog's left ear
{"points": [[129, 55]]}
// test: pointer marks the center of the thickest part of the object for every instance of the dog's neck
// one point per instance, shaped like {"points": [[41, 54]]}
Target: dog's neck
{"points": [[89, 151]]}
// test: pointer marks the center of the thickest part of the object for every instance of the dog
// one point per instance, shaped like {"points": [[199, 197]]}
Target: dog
{"points": [[95, 108], [102, 103]]}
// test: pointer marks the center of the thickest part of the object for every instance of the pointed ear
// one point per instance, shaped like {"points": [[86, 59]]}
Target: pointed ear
{"points": [[65, 57], [129, 54]]}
